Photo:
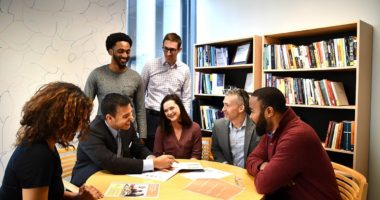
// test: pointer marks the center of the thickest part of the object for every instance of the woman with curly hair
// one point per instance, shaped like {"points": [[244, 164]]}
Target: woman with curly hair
{"points": [[176, 134], [55, 113]]}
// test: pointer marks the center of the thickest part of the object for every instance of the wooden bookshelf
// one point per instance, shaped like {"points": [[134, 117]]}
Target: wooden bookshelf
{"points": [[234, 73], [355, 76]]}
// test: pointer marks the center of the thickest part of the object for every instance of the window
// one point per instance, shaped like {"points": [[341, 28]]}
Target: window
{"points": [[147, 23]]}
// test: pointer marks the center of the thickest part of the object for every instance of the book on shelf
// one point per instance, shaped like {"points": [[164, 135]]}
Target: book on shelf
{"points": [[329, 92], [338, 141], [209, 114], [330, 126], [318, 94], [306, 91], [209, 83], [340, 135], [339, 93], [221, 55], [324, 93], [336, 52], [331, 134], [266, 57], [217, 81], [353, 124], [248, 86], [347, 132], [284, 57], [209, 56]]}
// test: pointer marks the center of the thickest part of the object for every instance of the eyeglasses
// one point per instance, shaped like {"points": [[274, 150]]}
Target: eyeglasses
{"points": [[166, 49]]}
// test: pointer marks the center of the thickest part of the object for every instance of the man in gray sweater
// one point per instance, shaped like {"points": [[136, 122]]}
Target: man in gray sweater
{"points": [[116, 77]]}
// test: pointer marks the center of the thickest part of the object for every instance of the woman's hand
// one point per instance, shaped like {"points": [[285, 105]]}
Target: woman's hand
{"points": [[89, 193]]}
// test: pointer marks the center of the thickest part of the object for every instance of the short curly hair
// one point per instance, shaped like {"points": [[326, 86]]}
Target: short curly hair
{"points": [[56, 111], [116, 37], [271, 96]]}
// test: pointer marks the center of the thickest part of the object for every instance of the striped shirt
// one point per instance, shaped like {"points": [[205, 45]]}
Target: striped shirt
{"points": [[160, 79]]}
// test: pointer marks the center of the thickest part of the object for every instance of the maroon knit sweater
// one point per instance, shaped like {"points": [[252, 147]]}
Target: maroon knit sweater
{"points": [[298, 166]]}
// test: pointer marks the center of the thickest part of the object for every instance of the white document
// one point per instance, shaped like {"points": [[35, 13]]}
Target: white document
{"points": [[165, 175], [188, 166], [241, 54], [132, 190], [156, 175], [208, 173]]}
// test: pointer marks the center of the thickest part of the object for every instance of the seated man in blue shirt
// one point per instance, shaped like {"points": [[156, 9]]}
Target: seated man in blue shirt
{"points": [[113, 145]]}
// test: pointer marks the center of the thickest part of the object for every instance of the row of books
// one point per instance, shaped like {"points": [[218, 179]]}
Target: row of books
{"points": [[340, 135], [212, 56], [209, 83], [338, 52], [209, 115], [309, 91]]}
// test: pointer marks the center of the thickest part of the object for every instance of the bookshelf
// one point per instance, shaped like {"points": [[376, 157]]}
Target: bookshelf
{"points": [[344, 53], [221, 60]]}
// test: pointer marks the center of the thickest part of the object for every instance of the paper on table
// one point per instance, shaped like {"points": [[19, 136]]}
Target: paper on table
{"points": [[119, 189], [165, 175], [209, 172], [215, 188], [188, 166], [156, 175]]}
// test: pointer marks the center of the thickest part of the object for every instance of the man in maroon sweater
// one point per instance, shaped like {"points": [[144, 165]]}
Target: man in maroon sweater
{"points": [[289, 162]]}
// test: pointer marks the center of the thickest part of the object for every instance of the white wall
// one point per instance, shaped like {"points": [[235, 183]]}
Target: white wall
{"points": [[223, 19], [49, 40]]}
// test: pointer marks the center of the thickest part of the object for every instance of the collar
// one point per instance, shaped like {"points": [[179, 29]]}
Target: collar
{"points": [[113, 131], [109, 69], [242, 126], [164, 63], [270, 134]]}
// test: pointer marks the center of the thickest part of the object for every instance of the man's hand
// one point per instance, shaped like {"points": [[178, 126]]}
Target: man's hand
{"points": [[142, 140], [262, 166], [163, 162], [89, 192]]}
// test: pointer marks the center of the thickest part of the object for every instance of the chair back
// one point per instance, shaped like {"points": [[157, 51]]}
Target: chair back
{"points": [[352, 185], [206, 148], [68, 158]]}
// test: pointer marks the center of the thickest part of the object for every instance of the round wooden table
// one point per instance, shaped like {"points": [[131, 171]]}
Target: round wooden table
{"points": [[174, 188]]}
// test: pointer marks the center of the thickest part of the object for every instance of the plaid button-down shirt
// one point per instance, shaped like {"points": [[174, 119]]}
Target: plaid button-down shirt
{"points": [[160, 79]]}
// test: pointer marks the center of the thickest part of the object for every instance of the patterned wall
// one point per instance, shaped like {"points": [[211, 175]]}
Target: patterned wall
{"points": [[49, 40]]}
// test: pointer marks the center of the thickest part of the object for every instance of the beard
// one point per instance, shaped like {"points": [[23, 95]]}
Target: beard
{"points": [[261, 125], [120, 64]]}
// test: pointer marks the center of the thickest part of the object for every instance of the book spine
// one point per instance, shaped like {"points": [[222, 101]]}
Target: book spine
{"points": [[324, 93]]}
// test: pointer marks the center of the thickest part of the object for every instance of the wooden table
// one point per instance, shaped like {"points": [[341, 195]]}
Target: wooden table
{"points": [[174, 187]]}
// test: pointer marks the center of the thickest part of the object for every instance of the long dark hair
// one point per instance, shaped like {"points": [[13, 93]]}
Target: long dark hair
{"points": [[165, 124], [57, 110]]}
